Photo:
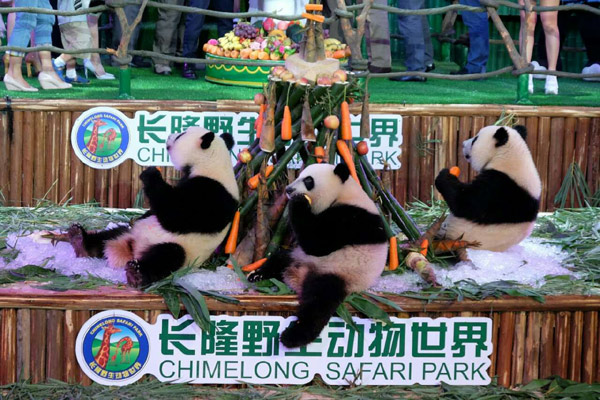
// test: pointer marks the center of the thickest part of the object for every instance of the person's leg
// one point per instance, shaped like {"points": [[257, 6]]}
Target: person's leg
{"points": [[224, 25], [95, 61], [411, 29], [589, 24], [378, 40], [479, 39], [550, 24], [43, 37], [193, 27], [527, 31], [19, 37], [428, 44], [166, 30]]}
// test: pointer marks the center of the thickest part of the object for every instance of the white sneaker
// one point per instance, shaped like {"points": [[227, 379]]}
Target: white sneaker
{"points": [[592, 69], [551, 85], [530, 84], [538, 67]]}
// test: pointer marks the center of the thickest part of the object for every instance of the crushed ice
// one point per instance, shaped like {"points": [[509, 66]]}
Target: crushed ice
{"points": [[527, 263]]}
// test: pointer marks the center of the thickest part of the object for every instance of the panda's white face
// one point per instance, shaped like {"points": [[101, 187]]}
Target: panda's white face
{"points": [[494, 143], [320, 183], [198, 149]]}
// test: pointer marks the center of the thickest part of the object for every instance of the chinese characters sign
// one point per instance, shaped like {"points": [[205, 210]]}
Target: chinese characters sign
{"points": [[103, 137], [247, 349]]}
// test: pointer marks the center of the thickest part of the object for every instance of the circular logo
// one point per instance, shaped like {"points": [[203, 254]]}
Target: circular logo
{"points": [[112, 348], [100, 137]]}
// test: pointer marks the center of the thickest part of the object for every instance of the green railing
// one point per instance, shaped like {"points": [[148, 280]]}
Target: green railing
{"points": [[353, 36]]}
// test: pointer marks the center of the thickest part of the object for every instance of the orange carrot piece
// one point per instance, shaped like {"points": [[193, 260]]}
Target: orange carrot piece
{"points": [[319, 153], [424, 246], [286, 124], [455, 171], [314, 17], [253, 182], [393, 253], [233, 234], [258, 124], [254, 266], [344, 151], [346, 125], [314, 7], [444, 246]]}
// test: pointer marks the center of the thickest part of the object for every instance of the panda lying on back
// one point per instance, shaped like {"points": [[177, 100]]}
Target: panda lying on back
{"points": [[185, 223], [499, 208], [342, 247]]}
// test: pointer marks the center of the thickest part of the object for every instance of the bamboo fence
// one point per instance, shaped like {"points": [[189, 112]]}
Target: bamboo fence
{"points": [[531, 339], [40, 164]]}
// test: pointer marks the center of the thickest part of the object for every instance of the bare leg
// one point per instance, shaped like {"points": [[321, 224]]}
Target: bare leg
{"points": [[47, 64], [550, 24], [14, 70], [95, 57]]}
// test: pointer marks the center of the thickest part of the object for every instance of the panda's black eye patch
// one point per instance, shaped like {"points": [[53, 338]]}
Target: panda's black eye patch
{"points": [[309, 182]]}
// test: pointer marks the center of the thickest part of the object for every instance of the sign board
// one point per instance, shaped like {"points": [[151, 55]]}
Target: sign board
{"points": [[103, 137], [117, 348]]}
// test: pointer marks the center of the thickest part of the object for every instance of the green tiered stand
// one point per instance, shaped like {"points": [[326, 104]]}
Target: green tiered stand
{"points": [[237, 75]]}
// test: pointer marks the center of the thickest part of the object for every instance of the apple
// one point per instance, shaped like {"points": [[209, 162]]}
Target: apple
{"points": [[286, 76], [362, 148], [341, 74], [268, 24], [324, 81], [331, 122], [277, 71], [244, 156], [259, 99]]}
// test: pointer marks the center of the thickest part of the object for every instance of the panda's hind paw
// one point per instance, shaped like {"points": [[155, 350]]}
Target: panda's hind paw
{"points": [[297, 335], [134, 274], [76, 234], [255, 276]]}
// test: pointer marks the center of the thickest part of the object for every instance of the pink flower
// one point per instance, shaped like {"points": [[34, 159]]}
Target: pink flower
{"points": [[281, 49]]}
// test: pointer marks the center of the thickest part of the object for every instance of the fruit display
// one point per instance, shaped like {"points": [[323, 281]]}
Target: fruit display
{"points": [[336, 49]]}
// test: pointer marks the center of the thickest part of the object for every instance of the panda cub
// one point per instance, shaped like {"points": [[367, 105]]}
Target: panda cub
{"points": [[499, 208], [185, 223], [342, 247]]}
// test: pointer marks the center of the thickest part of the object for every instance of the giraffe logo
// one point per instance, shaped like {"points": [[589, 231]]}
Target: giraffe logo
{"points": [[112, 347], [100, 137]]}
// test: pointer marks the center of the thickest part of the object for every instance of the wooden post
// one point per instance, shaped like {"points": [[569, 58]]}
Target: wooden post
{"points": [[354, 36]]}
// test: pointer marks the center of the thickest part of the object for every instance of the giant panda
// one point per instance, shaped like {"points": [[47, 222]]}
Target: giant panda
{"points": [[499, 207], [341, 247], [185, 223]]}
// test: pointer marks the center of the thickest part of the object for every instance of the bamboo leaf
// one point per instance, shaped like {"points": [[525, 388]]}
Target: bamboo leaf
{"points": [[193, 310], [220, 297], [368, 308], [172, 301], [344, 314], [385, 301]]}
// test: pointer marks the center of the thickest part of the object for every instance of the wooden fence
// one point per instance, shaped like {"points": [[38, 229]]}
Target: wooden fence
{"points": [[38, 162], [531, 340]]}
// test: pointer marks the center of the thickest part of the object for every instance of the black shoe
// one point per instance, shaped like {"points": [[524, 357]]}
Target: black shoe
{"points": [[188, 71], [430, 67], [139, 62], [462, 71], [409, 78], [379, 70]]}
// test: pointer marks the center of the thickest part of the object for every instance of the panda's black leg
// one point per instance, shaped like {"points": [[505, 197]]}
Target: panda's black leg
{"points": [[91, 244], [448, 185], [157, 263], [273, 267], [321, 295]]}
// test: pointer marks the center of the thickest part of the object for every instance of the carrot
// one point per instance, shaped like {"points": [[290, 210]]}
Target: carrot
{"points": [[455, 171], [346, 125], [254, 266], [424, 246], [314, 17], [253, 182], [258, 124], [444, 246], [319, 153], [314, 7], [393, 253], [344, 151], [233, 234], [339, 54], [286, 124]]}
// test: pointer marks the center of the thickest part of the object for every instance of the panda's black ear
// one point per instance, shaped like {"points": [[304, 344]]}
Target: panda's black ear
{"points": [[342, 171], [522, 131], [207, 140], [228, 139], [501, 136]]}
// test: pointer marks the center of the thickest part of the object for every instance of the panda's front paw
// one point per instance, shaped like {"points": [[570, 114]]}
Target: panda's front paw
{"points": [[255, 276], [300, 202], [298, 334], [443, 178], [134, 274], [150, 174]]}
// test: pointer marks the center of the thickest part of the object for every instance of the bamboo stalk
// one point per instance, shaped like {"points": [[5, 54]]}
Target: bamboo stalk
{"points": [[55, 358], [590, 346], [8, 346], [23, 343], [505, 345], [38, 346]]}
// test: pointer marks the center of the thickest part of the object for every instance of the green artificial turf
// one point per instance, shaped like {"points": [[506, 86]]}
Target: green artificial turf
{"points": [[499, 90]]}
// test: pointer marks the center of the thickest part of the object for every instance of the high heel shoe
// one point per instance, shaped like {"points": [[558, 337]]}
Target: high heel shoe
{"points": [[88, 66], [12, 84], [47, 81], [551, 85]]}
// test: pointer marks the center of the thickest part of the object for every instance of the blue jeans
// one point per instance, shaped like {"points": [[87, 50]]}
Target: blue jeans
{"points": [[194, 23], [415, 31], [479, 37], [40, 24]]}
